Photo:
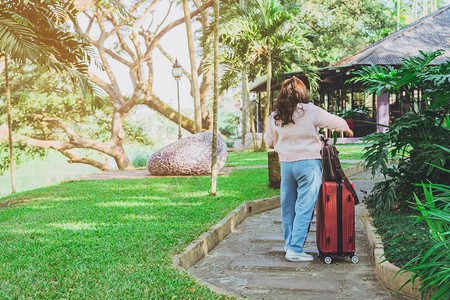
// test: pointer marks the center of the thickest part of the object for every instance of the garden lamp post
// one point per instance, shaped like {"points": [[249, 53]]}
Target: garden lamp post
{"points": [[177, 72]]}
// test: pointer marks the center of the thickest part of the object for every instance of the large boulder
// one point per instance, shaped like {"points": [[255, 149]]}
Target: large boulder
{"points": [[188, 156]]}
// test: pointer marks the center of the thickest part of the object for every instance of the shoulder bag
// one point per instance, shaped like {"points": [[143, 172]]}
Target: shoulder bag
{"points": [[331, 166]]}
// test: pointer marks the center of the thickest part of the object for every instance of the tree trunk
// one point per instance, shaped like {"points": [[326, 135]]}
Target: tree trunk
{"points": [[398, 14], [252, 128], [117, 136], [214, 170], [194, 75], [245, 105], [205, 88], [10, 129], [267, 100], [121, 158]]}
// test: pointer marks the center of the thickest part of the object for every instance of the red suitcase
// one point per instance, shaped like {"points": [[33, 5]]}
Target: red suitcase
{"points": [[335, 219]]}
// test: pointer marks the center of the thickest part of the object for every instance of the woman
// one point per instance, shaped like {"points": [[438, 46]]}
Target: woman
{"points": [[293, 132]]}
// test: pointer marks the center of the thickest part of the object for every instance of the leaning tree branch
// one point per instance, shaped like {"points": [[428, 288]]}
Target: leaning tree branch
{"points": [[74, 158], [71, 134], [128, 18], [157, 105], [170, 58], [57, 145], [112, 78], [62, 147], [105, 86], [118, 58], [74, 139], [121, 39], [91, 21]]}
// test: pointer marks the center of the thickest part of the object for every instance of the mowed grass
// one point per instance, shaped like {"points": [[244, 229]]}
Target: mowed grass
{"points": [[250, 158], [246, 158], [353, 152], [113, 239]]}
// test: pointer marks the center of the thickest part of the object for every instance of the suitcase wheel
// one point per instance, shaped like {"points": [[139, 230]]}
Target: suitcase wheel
{"points": [[355, 259], [328, 260]]}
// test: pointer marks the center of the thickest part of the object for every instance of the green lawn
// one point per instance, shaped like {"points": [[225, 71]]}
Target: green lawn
{"points": [[350, 152], [250, 158], [246, 158], [113, 239]]}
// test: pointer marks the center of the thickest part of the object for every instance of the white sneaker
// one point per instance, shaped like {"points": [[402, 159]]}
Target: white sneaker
{"points": [[295, 256]]}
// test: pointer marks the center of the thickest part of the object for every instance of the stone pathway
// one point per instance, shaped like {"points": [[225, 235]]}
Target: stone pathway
{"points": [[250, 263]]}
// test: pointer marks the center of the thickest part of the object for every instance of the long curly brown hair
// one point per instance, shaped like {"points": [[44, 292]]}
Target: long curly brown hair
{"points": [[293, 91]]}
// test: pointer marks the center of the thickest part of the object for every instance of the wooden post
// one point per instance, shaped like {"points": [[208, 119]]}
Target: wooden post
{"points": [[8, 105], [216, 100]]}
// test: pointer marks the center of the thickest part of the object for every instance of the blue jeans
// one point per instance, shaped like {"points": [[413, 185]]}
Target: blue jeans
{"points": [[300, 185]]}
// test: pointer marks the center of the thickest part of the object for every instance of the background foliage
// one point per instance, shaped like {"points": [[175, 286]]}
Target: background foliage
{"points": [[418, 136]]}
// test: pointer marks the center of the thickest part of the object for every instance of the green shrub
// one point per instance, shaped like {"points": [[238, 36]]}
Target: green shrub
{"points": [[431, 259], [393, 225], [140, 160], [416, 136], [229, 126], [431, 263]]}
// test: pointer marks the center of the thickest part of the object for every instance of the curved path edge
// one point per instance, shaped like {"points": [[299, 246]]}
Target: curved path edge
{"points": [[210, 239], [385, 270]]}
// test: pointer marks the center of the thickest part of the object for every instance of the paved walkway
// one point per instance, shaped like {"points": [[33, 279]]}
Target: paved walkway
{"points": [[250, 263], [143, 173]]}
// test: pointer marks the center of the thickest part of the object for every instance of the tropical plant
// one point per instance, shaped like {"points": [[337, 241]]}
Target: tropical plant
{"points": [[349, 114], [275, 40], [236, 62], [37, 31], [32, 31], [417, 136], [431, 263]]}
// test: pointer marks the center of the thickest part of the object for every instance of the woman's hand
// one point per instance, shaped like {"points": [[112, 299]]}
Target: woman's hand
{"points": [[349, 133]]}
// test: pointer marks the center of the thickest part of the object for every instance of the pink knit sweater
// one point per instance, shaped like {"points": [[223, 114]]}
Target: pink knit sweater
{"points": [[300, 141]]}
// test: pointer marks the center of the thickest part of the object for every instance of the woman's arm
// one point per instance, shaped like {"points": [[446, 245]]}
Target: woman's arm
{"points": [[271, 136], [326, 120]]}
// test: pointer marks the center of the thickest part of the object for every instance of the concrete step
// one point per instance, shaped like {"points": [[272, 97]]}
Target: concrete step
{"points": [[272, 264], [279, 239], [294, 284], [280, 250]]}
